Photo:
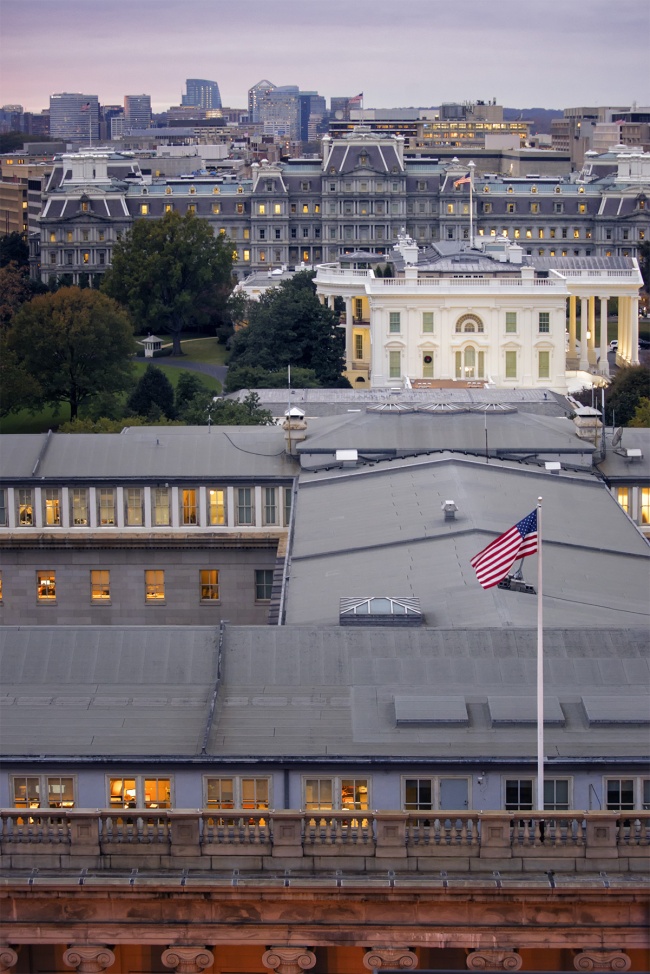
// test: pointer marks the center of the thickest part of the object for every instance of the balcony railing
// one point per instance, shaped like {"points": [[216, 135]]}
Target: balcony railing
{"points": [[210, 835]]}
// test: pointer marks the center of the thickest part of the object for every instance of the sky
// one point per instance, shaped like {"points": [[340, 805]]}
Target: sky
{"points": [[399, 53]]}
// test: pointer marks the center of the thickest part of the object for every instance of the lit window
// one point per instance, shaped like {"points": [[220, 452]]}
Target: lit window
{"points": [[69, 236], [645, 505], [161, 506], [169, 207], [277, 208], [209, 585], [262, 256], [544, 365], [86, 257], [261, 209], [144, 209], [394, 322], [511, 208], [52, 237], [427, 321], [339, 793], [52, 507], [623, 497], [394, 365], [245, 510], [190, 508], [191, 209], [84, 207], [46, 586], [100, 585], [249, 793], [247, 255], [263, 584], [240, 208], [139, 792], [216, 506], [24, 507], [305, 207], [154, 585], [216, 208], [540, 233], [544, 319], [79, 514], [576, 233], [358, 346], [58, 791], [134, 506], [105, 506], [450, 208]]}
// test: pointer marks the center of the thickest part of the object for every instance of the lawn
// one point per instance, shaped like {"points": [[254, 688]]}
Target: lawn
{"points": [[48, 418], [206, 350]]}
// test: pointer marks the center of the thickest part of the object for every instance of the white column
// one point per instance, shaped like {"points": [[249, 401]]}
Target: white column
{"points": [[591, 328], [349, 351], [622, 352], [634, 330], [604, 345], [572, 326], [584, 324]]}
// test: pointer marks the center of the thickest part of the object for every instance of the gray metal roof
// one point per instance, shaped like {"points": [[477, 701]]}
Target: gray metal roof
{"points": [[185, 452], [379, 530], [321, 692], [618, 467]]}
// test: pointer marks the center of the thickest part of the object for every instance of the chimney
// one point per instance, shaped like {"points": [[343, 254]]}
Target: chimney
{"points": [[295, 429]]}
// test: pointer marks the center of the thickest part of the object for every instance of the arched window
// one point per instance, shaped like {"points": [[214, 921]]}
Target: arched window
{"points": [[469, 323], [470, 363]]}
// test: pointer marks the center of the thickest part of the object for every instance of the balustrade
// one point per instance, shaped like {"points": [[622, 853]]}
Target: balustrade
{"points": [[235, 832]]}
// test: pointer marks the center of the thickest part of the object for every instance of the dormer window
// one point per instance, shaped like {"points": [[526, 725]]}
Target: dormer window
{"points": [[84, 207], [168, 190], [486, 189], [363, 159], [510, 189], [192, 190], [558, 189], [581, 189], [215, 190], [533, 189], [240, 189]]}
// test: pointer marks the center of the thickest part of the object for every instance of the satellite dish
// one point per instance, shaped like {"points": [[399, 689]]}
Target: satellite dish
{"points": [[618, 436]]}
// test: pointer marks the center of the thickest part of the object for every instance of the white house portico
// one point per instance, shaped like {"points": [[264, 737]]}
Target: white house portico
{"points": [[485, 314]]}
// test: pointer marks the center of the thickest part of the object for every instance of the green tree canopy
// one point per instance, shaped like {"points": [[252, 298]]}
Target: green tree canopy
{"points": [[225, 412], [641, 418], [14, 248], [171, 274], [188, 386], [153, 388], [623, 396], [289, 325], [73, 344]]}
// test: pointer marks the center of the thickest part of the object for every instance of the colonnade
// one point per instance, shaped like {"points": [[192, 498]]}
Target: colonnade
{"points": [[286, 959], [590, 358]]}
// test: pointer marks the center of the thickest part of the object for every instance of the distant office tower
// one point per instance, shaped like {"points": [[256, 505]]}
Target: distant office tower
{"points": [[74, 117], [255, 94], [312, 113], [201, 94], [278, 110], [137, 111]]}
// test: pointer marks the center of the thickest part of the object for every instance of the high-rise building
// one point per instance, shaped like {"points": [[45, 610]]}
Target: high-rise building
{"points": [[255, 95], [201, 94], [137, 111], [74, 117]]}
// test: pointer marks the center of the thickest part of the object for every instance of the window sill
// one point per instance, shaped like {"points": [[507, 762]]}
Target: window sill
{"points": [[209, 601]]}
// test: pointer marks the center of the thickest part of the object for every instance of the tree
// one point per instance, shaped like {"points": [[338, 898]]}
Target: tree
{"points": [[188, 386], [74, 344], [641, 418], [290, 326], [13, 248], [226, 412], [628, 388], [250, 377], [152, 389], [171, 274], [15, 290]]}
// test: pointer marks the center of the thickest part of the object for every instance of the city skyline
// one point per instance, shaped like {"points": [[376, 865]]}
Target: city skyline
{"points": [[552, 55]]}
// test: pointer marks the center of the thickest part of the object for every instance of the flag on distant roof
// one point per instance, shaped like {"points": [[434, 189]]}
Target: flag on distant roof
{"points": [[467, 178], [494, 562], [84, 108], [357, 97]]}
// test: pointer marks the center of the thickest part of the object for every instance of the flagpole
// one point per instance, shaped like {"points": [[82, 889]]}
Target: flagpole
{"points": [[540, 666], [471, 203]]}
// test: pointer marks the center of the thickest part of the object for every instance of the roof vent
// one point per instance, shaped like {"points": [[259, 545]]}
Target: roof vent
{"points": [[450, 508], [349, 458], [553, 466], [380, 611], [633, 454]]}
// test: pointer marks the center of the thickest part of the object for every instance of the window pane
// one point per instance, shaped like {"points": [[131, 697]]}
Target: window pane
{"points": [[190, 512], [3, 507], [220, 793], [217, 506], [106, 506], [24, 507], [519, 794], [100, 585], [52, 507], [122, 793], [255, 793], [60, 793], [427, 321], [270, 505], [209, 585], [620, 793], [154, 582], [318, 793], [263, 584], [157, 793], [287, 504], [46, 586], [358, 346], [27, 792], [245, 505], [394, 319], [556, 793], [623, 497], [161, 506], [544, 321], [394, 365], [354, 793], [418, 794], [134, 506], [79, 506], [645, 505], [511, 365], [511, 321]]}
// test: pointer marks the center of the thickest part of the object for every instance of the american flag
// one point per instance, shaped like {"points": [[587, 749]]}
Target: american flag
{"points": [[494, 562], [465, 179], [84, 108]]}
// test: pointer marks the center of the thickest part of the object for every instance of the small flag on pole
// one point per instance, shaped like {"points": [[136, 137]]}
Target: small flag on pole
{"points": [[467, 178], [84, 108], [494, 562]]}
